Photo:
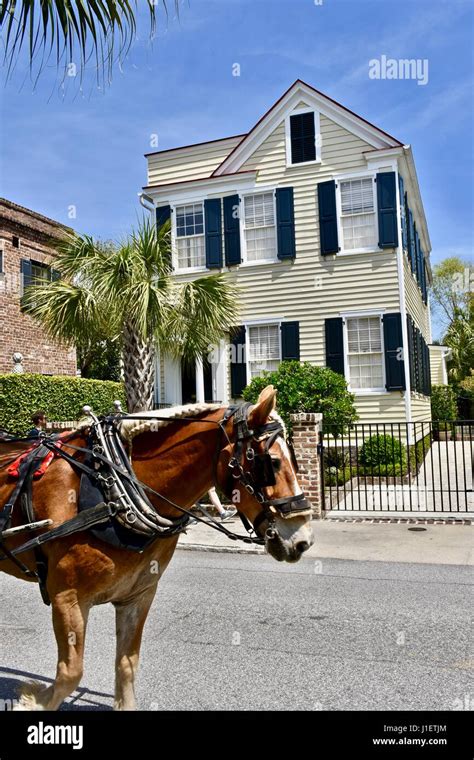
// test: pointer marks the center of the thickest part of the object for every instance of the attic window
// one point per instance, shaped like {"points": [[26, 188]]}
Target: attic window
{"points": [[302, 137], [15, 241]]}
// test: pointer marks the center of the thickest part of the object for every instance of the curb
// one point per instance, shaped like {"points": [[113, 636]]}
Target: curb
{"points": [[221, 549]]}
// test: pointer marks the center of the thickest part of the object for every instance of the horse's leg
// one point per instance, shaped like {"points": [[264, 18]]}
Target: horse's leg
{"points": [[130, 617], [69, 622]]}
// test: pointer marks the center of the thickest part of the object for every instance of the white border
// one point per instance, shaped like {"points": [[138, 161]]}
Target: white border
{"points": [[317, 137]]}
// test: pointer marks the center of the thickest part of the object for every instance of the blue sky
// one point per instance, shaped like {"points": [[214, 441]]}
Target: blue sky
{"points": [[63, 148]]}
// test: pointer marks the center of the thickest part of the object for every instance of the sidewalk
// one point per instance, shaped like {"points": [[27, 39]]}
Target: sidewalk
{"points": [[364, 541]]}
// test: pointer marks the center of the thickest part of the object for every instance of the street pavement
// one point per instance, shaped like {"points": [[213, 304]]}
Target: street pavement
{"points": [[240, 632]]}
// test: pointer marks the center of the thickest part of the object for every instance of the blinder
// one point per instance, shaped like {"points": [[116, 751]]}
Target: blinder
{"points": [[264, 473]]}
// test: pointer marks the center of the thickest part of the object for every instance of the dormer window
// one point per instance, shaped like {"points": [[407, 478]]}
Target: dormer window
{"points": [[302, 128]]}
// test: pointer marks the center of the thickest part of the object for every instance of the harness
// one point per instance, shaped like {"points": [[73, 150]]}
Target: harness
{"points": [[125, 509]]}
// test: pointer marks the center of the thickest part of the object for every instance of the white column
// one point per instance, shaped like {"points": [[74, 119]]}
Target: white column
{"points": [[200, 395], [172, 381], [220, 373]]}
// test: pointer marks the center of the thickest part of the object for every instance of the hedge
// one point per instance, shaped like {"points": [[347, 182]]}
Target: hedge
{"points": [[62, 398]]}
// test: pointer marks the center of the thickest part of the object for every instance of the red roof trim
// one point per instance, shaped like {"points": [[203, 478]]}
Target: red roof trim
{"points": [[191, 145], [199, 179], [300, 81]]}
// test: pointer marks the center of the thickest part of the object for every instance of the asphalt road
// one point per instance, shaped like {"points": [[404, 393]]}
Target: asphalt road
{"points": [[244, 632]]}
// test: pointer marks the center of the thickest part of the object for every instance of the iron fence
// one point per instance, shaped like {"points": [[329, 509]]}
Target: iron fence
{"points": [[398, 467]]}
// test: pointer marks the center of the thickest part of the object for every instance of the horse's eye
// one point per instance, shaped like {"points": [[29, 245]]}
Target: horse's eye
{"points": [[276, 463]]}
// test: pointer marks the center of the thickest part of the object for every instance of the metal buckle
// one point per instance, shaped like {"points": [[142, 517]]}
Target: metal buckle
{"points": [[250, 454], [249, 488]]}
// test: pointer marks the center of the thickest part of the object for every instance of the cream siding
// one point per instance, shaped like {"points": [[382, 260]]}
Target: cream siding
{"points": [[193, 162], [437, 365], [420, 408]]}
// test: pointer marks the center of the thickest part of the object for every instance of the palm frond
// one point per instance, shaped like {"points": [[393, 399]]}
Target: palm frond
{"points": [[72, 29]]}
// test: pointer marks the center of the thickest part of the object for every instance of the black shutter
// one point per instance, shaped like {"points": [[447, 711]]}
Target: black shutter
{"points": [[238, 363], [290, 341], [285, 223], [26, 274], [428, 370], [412, 250], [213, 220], [334, 344], [328, 217], [163, 214], [387, 210], [411, 352], [302, 132], [419, 362], [401, 193], [393, 344], [232, 230]]}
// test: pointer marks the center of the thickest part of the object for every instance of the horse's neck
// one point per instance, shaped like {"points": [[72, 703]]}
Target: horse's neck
{"points": [[177, 463]]}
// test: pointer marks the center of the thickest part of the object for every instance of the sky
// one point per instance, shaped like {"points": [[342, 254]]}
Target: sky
{"points": [[79, 148]]}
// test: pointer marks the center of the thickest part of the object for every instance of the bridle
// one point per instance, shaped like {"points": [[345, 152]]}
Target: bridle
{"points": [[261, 472]]}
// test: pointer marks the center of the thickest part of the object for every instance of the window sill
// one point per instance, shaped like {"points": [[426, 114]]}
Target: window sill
{"points": [[304, 163], [356, 251], [259, 262], [369, 392], [190, 270]]}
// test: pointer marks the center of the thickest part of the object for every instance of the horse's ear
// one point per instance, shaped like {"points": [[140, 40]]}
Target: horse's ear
{"points": [[263, 408]]}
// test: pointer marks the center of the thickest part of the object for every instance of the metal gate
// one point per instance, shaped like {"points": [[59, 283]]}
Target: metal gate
{"points": [[411, 467]]}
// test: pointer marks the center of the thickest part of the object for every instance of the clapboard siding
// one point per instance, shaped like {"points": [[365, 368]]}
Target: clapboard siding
{"points": [[193, 162]]}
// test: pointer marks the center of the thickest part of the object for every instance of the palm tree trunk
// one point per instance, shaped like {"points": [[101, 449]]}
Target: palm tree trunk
{"points": [[138, 370]]}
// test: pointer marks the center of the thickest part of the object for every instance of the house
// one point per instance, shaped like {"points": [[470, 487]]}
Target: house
{"points": [[27, 243], [317, 215], [439, 357]]}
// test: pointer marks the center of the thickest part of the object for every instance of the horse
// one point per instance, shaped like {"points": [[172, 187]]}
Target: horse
{"points": [[180, 461]]}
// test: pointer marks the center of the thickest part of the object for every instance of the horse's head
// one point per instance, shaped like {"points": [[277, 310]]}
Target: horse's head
{"points": [[258, 470]]}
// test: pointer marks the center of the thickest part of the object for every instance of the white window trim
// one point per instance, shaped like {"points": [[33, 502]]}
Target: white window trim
{"points": [[382, 391], [243, 241], [317, 137], [259, 323], [174, 238], [341, 178]]}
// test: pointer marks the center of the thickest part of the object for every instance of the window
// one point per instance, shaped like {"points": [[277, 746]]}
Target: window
{"points": [[263, 349], [190, 244], [15, 241], [358, 218], [302, 136], [365, 359], [40, 273], [259, 226]]}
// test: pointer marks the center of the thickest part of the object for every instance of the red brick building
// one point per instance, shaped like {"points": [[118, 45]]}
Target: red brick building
{"points": [[27, 242]]}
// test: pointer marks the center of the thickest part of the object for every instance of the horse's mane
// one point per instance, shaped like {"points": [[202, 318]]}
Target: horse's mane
{"points": [[148, 421]]}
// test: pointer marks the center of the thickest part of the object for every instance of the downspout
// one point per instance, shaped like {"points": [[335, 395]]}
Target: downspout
{"points": [[403, 311], [144, 200]]}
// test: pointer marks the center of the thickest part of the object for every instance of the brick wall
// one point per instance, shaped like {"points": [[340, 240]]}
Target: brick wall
{"points": [[306, 429], [37, 237]]}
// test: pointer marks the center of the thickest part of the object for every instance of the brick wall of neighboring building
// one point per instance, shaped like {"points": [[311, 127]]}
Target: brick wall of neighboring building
{"points": [[36, 236]]}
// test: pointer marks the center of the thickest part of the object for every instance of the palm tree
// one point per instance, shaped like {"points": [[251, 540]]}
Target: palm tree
{"points": [[71, 30], [128, 290]]}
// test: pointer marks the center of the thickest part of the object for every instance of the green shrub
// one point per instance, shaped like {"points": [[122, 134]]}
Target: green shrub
{"points": [[303, 387], [382, 453], [62, 398], [443, 403], [335, 476]]}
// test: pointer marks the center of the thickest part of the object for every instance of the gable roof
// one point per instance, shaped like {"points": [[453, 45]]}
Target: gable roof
{"points": [[373, 135]]}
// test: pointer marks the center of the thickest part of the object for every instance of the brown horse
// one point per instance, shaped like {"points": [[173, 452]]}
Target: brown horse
{"points": [[179, 461]]}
